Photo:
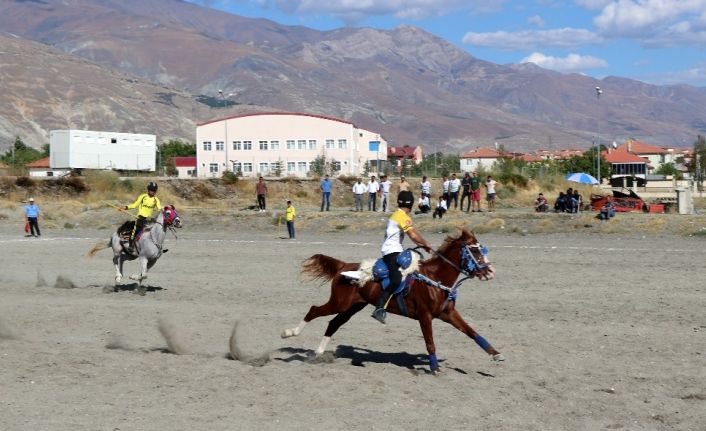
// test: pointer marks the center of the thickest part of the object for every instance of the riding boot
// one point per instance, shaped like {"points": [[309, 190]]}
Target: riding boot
{"points": [[379, 313]]}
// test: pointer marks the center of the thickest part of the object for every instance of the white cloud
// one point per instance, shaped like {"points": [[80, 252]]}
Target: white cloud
{"points": [[531, 39], [644, 18], [570, 63], [593, 4], [536, 20]]}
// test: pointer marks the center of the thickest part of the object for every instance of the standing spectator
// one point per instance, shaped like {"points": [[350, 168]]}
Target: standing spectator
{"points": [[425, 186], [490, 189], [454, 187], [325, 193], [385, 186], [466, 191], [445, 187], [440, 207], [404, 185], [261, 190], [291, 213], [373, 189], [540, 204], [32, 217], [475, 192], [359, 190], [424, 205]]}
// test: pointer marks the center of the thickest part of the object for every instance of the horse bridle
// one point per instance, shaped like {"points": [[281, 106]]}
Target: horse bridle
{"points": [[469, 263]]}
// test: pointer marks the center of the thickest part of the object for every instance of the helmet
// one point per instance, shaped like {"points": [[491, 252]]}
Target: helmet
{"points": [[152, 186], [405, 199]]}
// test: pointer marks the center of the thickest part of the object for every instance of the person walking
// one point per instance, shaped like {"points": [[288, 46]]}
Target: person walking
{"points": [[490, 188], [290, 214], [325, 193], [466, 191], [32, 218], [454, 187], [261, 191], [147, 204], [475, 192], [398, 225], [359, 189], [385, 186], [373, 189]]}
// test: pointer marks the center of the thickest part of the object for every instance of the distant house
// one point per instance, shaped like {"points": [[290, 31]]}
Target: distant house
{"points": [[40, 168], [657, 156], [185, 166], [623, 164], [395, 156], [480, 158]]}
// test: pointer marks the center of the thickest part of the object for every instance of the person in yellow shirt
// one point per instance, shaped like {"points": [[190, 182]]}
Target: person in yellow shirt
{"points": [[147, 205], [399, 224], [290, 214]]}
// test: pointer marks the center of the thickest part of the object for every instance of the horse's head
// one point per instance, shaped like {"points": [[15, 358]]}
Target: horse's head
{"points": [[171, 217], [474, 261]]}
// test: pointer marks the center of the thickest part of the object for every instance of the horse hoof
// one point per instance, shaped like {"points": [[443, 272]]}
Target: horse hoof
{"points": [[499, 357], [436, 372], [288, 333], [118, 278]]}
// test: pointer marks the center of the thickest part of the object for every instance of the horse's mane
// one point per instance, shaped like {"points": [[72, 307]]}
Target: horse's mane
{"points": [[454, 237]]}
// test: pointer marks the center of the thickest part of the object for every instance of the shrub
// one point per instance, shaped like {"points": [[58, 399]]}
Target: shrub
{"points": [[229, 178], [24, 182]]}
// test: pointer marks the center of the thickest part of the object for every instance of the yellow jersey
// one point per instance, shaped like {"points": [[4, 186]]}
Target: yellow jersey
{"points": [[146, 205], [291, 212], [399, 223]]}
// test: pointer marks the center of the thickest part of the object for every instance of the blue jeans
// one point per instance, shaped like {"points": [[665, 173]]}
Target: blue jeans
{"points": [[372, 200], [290, 229], [325, 199]]}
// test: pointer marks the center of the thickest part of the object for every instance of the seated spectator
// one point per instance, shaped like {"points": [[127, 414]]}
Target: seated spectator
{"points": [[424, 205], [607, 211], [440, 207], [540, 205], [560, 204], [578, 199]]}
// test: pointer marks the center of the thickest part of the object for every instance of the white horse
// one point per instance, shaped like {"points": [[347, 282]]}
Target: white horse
{"points": [[148, 247]]}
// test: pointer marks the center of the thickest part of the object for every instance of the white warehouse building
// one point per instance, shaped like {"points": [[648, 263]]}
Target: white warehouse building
{"points": [[86, 149], [264, 143]]}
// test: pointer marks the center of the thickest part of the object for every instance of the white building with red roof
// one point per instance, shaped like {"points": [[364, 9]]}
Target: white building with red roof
{"points": [[624, 163], [185, 166], [40, 168], [656, 156], [480, 158], [287, 143]]}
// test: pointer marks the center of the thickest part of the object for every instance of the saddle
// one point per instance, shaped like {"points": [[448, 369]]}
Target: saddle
{"points": [[377, 270]]}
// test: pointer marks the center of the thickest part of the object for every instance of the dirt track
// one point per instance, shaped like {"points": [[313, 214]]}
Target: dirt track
{"points": [[601, 332]]}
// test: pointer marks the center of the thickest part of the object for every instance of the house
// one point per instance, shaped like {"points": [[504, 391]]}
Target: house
{"points": [[480, 158], [40, 169], [185, 166], [655, 155], [626, 164], [396, 155]]}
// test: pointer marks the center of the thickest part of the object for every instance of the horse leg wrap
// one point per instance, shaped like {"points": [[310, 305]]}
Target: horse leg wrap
{"points": [[482, 342], [433, 362]]}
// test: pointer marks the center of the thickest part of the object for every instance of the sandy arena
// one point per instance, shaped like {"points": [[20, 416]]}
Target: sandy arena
{"points": [[599, 332]]}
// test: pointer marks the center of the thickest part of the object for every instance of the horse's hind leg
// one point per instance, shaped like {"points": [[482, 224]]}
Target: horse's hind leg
{"points": [[337, 303], [337, 322], [455, 319], [118, 263]]}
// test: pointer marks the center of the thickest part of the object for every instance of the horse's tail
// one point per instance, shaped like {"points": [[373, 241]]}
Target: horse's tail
{"points": [[98, 247], [322, 266]]}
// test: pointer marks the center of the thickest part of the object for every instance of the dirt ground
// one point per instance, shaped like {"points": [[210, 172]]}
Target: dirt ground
{"points": [[599, 331]]}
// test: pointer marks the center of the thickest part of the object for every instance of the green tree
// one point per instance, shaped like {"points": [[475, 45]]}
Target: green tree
{"points": [[669, 169], [174, 148], [586, 163], [321, 166], [697, 165], [20, 154]]}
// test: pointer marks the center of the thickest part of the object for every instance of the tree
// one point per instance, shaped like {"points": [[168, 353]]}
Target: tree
{"points": [[697, 165], [586, 163], [669, 169], [321, 166], [20, 154], [174, 148]]}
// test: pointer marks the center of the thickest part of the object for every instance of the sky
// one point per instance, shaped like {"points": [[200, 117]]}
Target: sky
{"points": [[654, 41]]}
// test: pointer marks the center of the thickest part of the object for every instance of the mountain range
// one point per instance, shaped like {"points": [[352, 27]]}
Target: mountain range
{"points": [[157, 66]]}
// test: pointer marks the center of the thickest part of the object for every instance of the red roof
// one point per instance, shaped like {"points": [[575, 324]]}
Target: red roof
{"points": [[41, 163], [275, 113], [184, 161], [530, 158], [482, 153], [637, 147], [622, 156], [401, 151]]}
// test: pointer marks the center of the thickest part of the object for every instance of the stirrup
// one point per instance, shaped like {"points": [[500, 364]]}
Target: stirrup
{"points": [[380, 315]]}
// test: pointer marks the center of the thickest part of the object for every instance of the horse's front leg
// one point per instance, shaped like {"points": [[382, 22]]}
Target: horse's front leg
{"points": [[337, 322], [454, 318], [118, 263], [141, 276], [428, 332]]}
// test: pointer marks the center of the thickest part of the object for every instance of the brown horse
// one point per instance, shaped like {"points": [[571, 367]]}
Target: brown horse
{"points": [[429, 296]]}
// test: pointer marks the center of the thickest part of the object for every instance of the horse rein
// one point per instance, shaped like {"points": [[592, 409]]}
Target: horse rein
{"points": [[466, 255]]}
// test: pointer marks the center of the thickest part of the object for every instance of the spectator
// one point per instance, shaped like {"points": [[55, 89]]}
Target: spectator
{"points": [[359, 190], [291, 213], [424, 205], [440, 207], [540, 204], [560, 204], [385, 186], [261, 191], [571, 204], [490, 196], [425, 186], [466, 191], [475, 192], [578, 199], [404, 185], [325, 193], [32, 217], [454, 187], [445, 187], [373, 188]]}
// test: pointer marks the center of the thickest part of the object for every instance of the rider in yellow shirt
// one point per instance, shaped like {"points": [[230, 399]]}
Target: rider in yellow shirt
{"points": [[147, 204]]}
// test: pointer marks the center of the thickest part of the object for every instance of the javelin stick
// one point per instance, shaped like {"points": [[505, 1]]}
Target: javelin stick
{"points": [[120, 208]]}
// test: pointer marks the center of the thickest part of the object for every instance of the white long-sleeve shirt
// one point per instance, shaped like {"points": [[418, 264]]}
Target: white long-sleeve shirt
{"points": [[359, 188]]}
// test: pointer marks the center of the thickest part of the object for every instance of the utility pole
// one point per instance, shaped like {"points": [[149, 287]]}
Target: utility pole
{"points": [[598, 140]]}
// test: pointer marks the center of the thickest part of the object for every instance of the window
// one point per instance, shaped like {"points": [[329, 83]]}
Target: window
{"points": [[290, 144], [264, 168], [237, 145], [336, 165], [50, 173], [291, 167], [312, 144], [207, 145], [301, 144], [113, 141], [219, 146], [247, 167], [247, 145], [342, 144], [274, 145], [301, 166], [213, 167], [330, 144], [237, 167], [263, 145]]}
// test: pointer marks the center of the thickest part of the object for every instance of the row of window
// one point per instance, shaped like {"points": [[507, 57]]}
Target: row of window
{"points": [[291, 144], [266, 168]]}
